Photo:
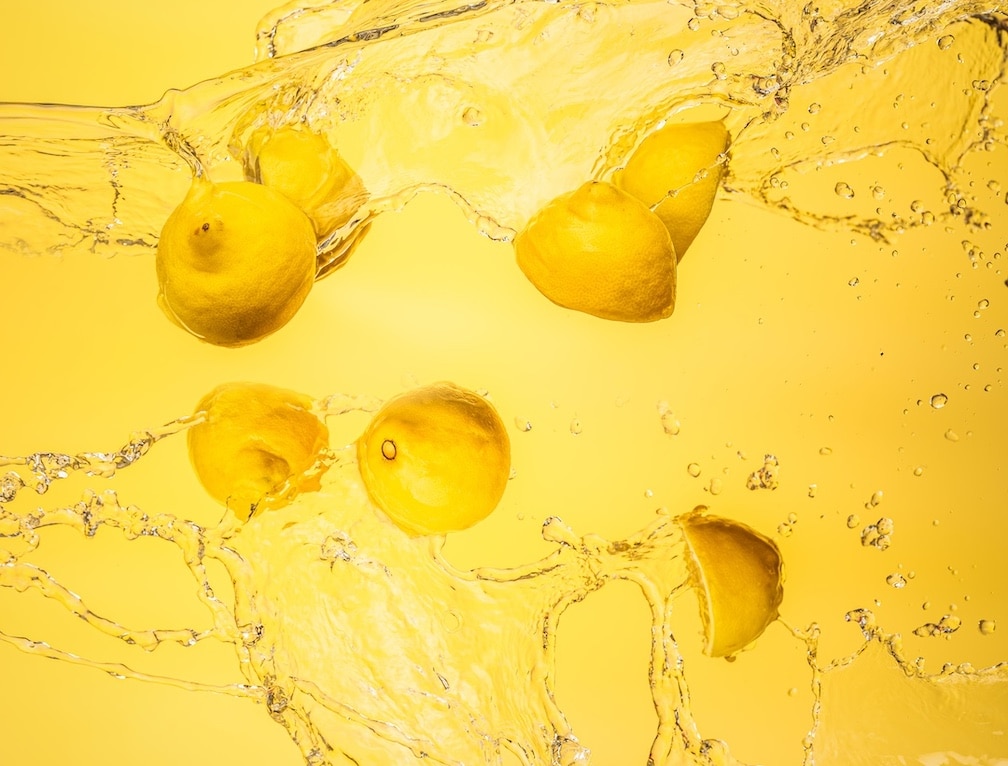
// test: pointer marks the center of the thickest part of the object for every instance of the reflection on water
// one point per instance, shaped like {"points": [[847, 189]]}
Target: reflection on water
{"points": [[367, 645]]}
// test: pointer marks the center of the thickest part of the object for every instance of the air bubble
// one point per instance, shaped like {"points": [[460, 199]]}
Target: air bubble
{"points": [[675, 57], [523, 424], [575, 426], [987, 627], [693, 469], [938, 401], [853, 281], [825, 450], [951, 435], [844, 190], [853, 520], [814, 108], [472, 117], [878, 192], [765, 477], [945, 42], [715, 486], [918, 470], [812, 488], [878, 535], [670, 423], [896, 580]]}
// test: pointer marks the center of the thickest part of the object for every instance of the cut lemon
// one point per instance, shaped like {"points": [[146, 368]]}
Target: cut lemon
{"points": [[676, 172], [235, 261], [256, 442], [600, 251], [738, 574], [435, 459]]}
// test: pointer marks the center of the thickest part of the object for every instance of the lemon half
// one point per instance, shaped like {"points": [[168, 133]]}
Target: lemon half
{"points": [[256, 441], [600, 251], [739, 576], [435, 459], [676, 171], [235, 261]]}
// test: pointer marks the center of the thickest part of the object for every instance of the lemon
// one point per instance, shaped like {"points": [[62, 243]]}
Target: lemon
{"points": [[305, 168], [601, 251], [435, 459], [739, 575], [235, 261], [676, 172], [256, 441]]}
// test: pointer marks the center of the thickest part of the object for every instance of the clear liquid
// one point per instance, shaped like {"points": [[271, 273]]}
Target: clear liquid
{"points": [[817, 324]]}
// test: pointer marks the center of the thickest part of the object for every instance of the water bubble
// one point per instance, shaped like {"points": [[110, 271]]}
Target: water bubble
{"points": [[814, 108], [945, 42], [670, 423], [875, 499], [946, 626], [472, 117], [987, 627], [715, 486], [575, 426], [523, 424], [693, 469], [951, 435], [719, 70], [843, 190], [693, 24], [918, 470], [938, 401], [825, 450], [853, 520], [675, 57], [812, 488], [853, 281], [766, 477], [983, 303], [878, 535]]}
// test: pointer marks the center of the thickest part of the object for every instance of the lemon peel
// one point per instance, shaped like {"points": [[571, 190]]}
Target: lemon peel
{"points": [[306, 168], [601, 251], [435, 459], [235, 261], [676, 171], [256, 442], [739, 576]]}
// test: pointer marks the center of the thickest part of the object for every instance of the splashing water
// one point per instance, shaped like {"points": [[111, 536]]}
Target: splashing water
{"points": [[366, 645]]}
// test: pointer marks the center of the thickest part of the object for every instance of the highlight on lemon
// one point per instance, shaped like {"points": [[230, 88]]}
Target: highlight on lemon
{"points": [[676, 171], [435, 459], [235, 261], [601, 251], [258, 446], [738, 574], [304, 167]]}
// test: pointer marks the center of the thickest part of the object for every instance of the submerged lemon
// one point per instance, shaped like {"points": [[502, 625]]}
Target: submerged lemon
{"points": [[739, 575], [601, 251], [235, 261], [305, 168], [435, 459], [676, 172], [255, 441]]}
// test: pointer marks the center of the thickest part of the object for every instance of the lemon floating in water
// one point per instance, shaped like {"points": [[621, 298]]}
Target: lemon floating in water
{"points": [[601, 251], [739, 575], [676, 172], [305, 168], [235, 261], [256, 441], [435, 459]]}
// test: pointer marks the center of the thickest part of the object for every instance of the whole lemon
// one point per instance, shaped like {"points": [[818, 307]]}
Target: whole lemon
{"points": [[235, 261], [600, 250], [435, 459], [256, 441], [309, 171], [676, 171]]}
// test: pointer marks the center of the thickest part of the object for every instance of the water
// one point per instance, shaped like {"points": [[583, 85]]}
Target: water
{"points": [[366, 645]]}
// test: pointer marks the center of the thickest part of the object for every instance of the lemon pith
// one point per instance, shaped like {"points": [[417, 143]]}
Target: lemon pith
{"points": [[235, 261], [739, 576], [255, 440], [676, 171], [435, 459], [601, 251]]}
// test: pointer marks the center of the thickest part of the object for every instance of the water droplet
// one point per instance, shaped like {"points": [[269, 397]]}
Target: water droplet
{"points": [[878, 535], [715, 486], [472, 117], [675, 57], [853, 520], [853, 282], [765, 477], [693, 24], [693, 469], [896, 580], [814, 108], [825, 450], [1000, 333], [918, 471], [876, 498], [670, 423], [523, 424], [987, 627], [844, 190], [951, 435], [945, 42], [938, 401], [719, 70], [983, 304], [575, 426], [878, 192], [812, 488]]}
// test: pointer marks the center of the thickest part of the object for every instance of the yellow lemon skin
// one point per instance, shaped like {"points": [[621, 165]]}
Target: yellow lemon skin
{"points": [[305, 168], [254, 440], [235, 261], [435, 459], [601, 251], [739, 575], [676, 171]]}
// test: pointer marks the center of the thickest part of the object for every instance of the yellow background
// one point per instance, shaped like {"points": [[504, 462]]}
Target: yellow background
{"points": [[771, 350]]}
